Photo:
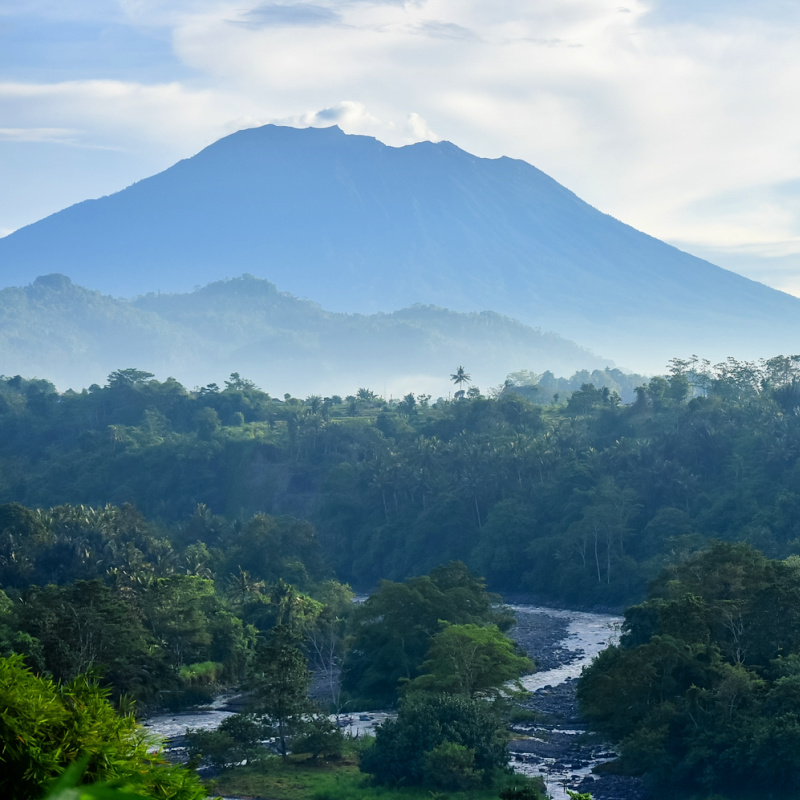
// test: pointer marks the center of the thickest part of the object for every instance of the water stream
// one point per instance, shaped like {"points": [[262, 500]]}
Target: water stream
{"points": [[587, 635]]}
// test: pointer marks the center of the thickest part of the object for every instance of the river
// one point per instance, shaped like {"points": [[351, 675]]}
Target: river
{"points": [[554, 748], [562, 642]]}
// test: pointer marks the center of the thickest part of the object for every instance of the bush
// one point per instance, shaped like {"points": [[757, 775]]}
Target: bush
{"points": [[451, 766], [45, 727], [237, 740], [203, 673], [521, 787], [426, 721], [319, 737]]}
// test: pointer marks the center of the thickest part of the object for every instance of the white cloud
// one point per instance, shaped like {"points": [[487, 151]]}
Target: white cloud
{"points": [[58, 135], [354, 117], [115, 114]]}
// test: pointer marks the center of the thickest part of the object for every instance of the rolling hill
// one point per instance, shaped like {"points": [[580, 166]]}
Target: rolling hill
{"points": [[75, 337]]}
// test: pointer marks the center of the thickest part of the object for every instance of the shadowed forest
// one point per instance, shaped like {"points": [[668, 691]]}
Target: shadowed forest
{"points": [[573, 496]]}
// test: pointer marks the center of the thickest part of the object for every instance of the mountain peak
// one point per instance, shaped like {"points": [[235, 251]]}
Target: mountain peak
{"points": [[360, 226]]}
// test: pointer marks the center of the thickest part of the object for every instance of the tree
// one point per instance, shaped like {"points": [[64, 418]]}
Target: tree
{"points": [[85, 626], [130, 377], [394, 627], [177, 611], [326, 637], [432, 730], [459, 378], [703, 692], [319, 736], [281, 685], [477, 661], [237, 739]]}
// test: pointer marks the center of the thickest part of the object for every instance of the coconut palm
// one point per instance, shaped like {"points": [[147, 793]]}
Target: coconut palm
{"points": [[460, 377]]}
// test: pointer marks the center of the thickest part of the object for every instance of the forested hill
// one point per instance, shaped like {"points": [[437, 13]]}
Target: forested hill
{"points": [[582, 501], [76, 337], [362, 227]]}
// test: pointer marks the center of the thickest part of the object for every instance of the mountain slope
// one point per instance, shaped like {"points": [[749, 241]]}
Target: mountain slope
{"points": [[54, 329], [360, 226]]}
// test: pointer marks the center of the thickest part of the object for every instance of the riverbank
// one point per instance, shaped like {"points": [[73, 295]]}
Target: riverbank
{"points": [[556, 744]]}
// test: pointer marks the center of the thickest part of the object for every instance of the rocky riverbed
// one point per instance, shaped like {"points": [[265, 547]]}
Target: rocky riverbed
{"points": [[555, 744]]}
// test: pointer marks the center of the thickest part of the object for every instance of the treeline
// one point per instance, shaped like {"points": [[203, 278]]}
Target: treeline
{"points": [[703, 691], [582, 500], [164, 616]]}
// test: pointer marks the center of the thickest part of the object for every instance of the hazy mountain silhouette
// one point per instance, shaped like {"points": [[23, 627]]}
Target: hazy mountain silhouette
{"points": [[359, 226], [73, 336]]}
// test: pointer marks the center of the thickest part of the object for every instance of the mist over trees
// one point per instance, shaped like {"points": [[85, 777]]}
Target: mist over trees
{"points": [[75, 337]]}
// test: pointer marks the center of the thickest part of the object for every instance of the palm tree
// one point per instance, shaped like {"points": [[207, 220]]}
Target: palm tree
{"points": [[459, 377]]}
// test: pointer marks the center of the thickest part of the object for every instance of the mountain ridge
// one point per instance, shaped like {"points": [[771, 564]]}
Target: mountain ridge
{"points": [[74, 336]]}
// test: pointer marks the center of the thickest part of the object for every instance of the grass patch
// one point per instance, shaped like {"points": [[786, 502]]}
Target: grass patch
{"points": [[520, 714], [302, 779]]}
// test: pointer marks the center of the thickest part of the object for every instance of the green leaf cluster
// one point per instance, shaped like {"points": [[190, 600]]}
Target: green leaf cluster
{"points": [[440, 740], [475, 660], [703, 692], [45, 727], [394, 627]]}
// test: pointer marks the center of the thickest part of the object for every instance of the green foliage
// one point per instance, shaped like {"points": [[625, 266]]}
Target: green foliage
{"points": [[204, 672], [466, 735], [394, 627], [281, 684], [521, 788], [451, 766], [319, 736], [702, 691], [300, 779], [45, 727], [583, 500], [236, 740], [86, 626], [470, 659]]}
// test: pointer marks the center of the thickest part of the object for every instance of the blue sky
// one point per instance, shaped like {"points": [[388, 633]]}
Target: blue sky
{"points": [[680, 118]]}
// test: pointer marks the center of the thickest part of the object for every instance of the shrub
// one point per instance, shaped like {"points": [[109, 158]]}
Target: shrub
{"points": [[451, 766], [45, 727]]}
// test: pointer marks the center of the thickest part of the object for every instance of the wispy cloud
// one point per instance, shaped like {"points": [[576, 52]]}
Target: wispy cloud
{"points": [[279, 15], [354, 117], [445, 30], [60, 135]]}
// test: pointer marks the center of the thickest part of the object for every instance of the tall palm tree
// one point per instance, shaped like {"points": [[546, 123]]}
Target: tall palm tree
{"points": [[459, 377]]}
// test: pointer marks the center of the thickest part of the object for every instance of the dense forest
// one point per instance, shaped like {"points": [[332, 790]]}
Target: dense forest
{"points": [[127, 617], [159, 543], [573, 496], [703, 692]]}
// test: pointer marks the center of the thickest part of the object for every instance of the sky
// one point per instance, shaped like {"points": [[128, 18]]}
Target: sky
{"points": [[679, 117]]}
